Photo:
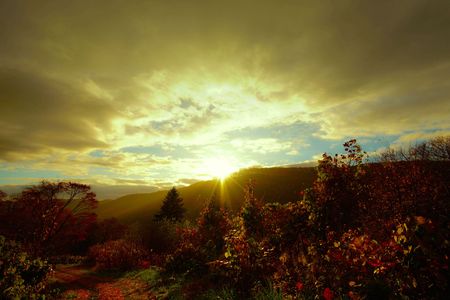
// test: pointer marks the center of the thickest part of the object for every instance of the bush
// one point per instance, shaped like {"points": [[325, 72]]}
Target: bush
{"points": [[187, 258], [161, 236], [51, 218], [108, 230], [119, 255], [200, 245], [22, 277], [67, 259], [363, 231]]}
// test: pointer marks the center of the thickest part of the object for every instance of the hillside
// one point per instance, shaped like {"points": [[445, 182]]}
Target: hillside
{"points": [[271, 184]]}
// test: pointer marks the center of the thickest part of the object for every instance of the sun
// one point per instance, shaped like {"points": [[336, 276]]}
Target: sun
{"points": [[219, 167]]}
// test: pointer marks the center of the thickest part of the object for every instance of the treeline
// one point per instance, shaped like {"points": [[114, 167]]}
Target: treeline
{"points": [[364, 230], [42, 221], [373, 228]]}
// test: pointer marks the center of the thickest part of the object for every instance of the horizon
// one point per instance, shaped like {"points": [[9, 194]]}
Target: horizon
{"points": [[112, 192], [160, 94]]}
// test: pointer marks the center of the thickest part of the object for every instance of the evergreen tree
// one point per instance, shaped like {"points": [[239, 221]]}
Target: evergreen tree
{"points": [[172, 208]]}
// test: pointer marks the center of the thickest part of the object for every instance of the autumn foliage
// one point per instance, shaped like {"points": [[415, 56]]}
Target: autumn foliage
{"points": [[201, 244], [367, 229], [50, 217], [21, 277], [42, 221], [117, 255]]}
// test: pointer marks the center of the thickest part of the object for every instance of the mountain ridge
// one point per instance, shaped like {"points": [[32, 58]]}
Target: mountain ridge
{"points": [[276, 184]]}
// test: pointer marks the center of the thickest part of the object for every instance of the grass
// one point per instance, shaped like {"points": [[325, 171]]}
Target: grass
{"points": [[166, 288], [149, 276], [269, 292], [172, 287], [222, 294], [179, 287]]}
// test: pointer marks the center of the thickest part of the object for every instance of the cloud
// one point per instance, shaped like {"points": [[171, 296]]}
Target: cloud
{"points": [[421, 136], [191, 118], [262, 145], [107, 75], [326, 55], [112, 163], [187, 181], [418, 104], [40, 114]]}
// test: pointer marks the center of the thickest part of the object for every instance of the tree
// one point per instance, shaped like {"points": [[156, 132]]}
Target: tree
{"points": [[50, 217], [172, 208], [108, 230], [213, 224], [339, 189], [2, 195], [435, 149]]}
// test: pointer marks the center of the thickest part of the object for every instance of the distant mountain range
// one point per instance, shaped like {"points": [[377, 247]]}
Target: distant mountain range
{"points": [[103, 191], [280, 184]]}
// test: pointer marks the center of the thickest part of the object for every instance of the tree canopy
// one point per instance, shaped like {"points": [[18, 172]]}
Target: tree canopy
{"points": [[172, 208], [50, 216]]}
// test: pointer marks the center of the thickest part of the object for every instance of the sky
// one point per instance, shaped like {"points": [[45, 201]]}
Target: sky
{"points": [[160, 93]]}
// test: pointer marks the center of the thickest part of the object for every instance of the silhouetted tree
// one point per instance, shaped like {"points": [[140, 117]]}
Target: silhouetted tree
{"points": [[172, 208], [108, 230], [50, 217], [435, 149]]}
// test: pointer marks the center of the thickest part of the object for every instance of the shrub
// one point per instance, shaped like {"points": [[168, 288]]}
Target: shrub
{"points": [[376, 229], [363, 231], [22, 277], [269, 293], [213, 224], [119, 255], [186, 258], [161, 236], [108, 230], [199, 245], [49, 218], [248, 253], [67, 259]]}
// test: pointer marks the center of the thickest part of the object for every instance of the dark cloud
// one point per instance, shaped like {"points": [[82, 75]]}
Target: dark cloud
{"points": [[69, 69], [357, 39], [40, 114], [423, 106], [186, 103], [328, 51]]}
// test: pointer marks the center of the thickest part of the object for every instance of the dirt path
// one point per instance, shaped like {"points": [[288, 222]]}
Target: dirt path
{"points": [[80, 282]]}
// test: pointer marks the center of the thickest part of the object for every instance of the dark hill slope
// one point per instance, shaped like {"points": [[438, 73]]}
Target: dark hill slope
{"points": [[271, 184]]}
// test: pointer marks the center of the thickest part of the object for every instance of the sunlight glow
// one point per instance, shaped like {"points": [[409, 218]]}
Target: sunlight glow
{"points": [[219, 167]]}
